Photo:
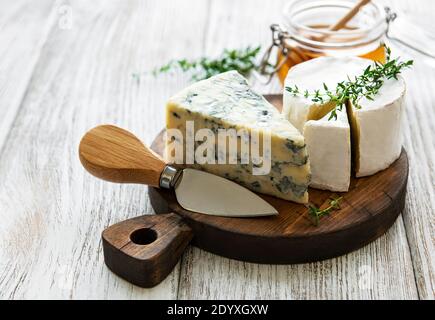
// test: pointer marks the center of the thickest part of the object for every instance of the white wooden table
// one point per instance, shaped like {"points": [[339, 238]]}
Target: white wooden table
{"points": [[67, 66]]}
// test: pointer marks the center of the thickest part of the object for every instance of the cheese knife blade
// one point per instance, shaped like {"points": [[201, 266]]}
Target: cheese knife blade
{"points": [[116, 155], [207, 193]]}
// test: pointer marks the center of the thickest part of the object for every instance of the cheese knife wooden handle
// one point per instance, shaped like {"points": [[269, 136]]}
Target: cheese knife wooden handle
{"points": [[116, 155], [144, 250]]}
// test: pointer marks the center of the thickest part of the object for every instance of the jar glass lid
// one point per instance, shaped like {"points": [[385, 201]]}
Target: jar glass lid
{"points": [[309, 20]]}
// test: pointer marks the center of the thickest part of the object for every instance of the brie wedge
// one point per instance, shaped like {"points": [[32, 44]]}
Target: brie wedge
{"points": [[376, 131], [328, 141], [311, 75]]}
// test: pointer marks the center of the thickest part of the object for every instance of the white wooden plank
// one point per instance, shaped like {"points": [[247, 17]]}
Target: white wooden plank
{"points": [[372, 272], [23, 31], [381, 270], [52, 211], [419, 133], [419, 214]]}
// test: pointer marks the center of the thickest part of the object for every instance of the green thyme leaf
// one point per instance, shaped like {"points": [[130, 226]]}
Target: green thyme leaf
{"points": [[241, 60], [316, 214], [365, 85]]}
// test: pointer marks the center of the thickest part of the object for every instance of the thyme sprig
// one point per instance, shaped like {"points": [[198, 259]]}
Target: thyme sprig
{"points": [[241, 60], [317, 214], [365, 85]]}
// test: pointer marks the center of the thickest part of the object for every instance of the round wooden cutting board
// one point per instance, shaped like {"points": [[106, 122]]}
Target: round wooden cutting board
{"points": [[368, 209]]}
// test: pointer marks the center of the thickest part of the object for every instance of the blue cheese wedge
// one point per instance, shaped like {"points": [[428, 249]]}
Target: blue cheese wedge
{"points": [[328, 142], [226, 101]]}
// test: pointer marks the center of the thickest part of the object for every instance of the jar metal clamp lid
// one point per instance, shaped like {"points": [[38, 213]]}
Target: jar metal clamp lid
{"points": [[280, 36]]}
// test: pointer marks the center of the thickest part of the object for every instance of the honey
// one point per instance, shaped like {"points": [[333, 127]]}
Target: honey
{"points": [[300, 55], [306, 34]]}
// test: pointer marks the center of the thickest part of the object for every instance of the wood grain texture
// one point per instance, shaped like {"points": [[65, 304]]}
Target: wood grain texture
{"points": [[53, 211], [144, 250], [343, 21], [419, 133], [341, 278], [359, 275], [368, 210], [419, 213], [114, 154], [23, 31], [56, 83]]}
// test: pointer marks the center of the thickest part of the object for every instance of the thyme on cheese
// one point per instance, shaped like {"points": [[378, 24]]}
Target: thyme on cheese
{"points": [[317, 213], [365, 85], [241, 60]]}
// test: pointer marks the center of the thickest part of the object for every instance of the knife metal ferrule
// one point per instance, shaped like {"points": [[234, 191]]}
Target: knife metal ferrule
{"points": [[168, 177]]}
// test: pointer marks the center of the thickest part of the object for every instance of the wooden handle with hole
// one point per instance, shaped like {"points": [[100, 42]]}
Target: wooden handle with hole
{"points": [[116, 155], [144, 250]]}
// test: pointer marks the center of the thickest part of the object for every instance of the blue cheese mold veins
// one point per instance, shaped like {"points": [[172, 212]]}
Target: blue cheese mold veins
{"points": [[226, 101]]}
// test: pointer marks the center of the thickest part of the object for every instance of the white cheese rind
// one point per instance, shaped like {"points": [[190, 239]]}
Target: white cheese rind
{"points": [[328, 144], [376, 128], [226, 101], [328, 141], [311, 75], [376, 125]]}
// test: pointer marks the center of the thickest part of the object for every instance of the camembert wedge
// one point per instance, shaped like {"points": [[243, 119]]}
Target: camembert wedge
{"points": [[226, 101], [328, 141], [311, 75], [376, 128], [328, 144], [374, 123]]}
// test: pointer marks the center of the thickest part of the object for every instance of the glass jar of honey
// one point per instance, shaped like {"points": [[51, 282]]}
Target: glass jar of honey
{"points": [[306, 32]]}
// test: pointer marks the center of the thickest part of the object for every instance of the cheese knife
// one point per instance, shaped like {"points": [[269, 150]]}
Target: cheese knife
{"points": [[116, 155]]}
